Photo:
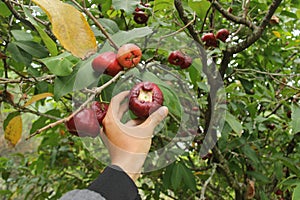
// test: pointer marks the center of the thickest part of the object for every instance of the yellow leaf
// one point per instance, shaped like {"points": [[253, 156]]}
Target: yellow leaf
{"points": [[70, 27], [13, 130], [37, 97], [277, 34]]}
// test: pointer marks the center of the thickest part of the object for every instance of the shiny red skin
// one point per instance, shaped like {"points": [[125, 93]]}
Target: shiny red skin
{"points": [[279, 192], [100, 109], [84, 123], [210, 40], [129, 55], [176, 58], [140, 17], [222, 34], [187, 62], [142, 109], [107, 63]]}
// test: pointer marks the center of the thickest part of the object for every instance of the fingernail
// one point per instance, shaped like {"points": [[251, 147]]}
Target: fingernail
{"points": [[163, 111]]}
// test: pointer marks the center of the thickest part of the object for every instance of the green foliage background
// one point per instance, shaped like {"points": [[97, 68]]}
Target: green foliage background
{"points": [[259, 141]]}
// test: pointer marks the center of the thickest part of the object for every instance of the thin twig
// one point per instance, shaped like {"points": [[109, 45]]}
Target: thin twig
{"points": [[174, 33], [202, 197], [27, 79]]}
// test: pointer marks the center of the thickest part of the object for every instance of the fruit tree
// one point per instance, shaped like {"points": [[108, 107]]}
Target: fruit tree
{"points": [[229, 72]]}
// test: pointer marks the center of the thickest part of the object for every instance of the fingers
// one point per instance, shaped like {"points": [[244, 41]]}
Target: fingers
{"points": [[134, 122], [122, 110], [115, 102], [156, 117]]}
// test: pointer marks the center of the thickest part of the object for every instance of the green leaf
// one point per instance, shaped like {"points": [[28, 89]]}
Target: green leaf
{"points": [[127, 5], [123, 37], [64, 85], [32, 48], [105, 4], [61, 65], [295, 123], [288, 14], [85, 76], [21, 35], [4, 11], [18, 54], [247, 85], [43, 121], [234, 124], [176, 176], [291, 164], [109, 25], [259, 176], [162, 6], [296, 193], [200, 7], [188, 178], [50, 44], [250, 153]]}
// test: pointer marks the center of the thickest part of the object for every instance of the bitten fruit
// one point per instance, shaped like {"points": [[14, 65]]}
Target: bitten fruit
{"points": [[145, 98]]}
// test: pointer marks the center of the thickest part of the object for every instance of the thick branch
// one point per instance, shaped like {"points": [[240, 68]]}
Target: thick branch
{"points": [[231, 17], [223, 165], [257, 32], [186, 21]]}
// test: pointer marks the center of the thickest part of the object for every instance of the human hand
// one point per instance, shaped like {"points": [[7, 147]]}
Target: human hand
{"points": [[128, 144]]}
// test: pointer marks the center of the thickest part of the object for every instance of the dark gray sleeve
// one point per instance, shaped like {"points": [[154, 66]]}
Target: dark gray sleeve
{"points": [[82, 194], [112, 184]]}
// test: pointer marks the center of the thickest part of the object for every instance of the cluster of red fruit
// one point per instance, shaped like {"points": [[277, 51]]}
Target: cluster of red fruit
{"points": [[179, 59], [211, 40], [111, 63], [87, 121], [140, 16], [144, 97]]}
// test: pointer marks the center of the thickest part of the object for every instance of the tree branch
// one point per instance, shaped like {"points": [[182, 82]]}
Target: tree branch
{"points": [[257, 31], [233, 18], [95, 91]]}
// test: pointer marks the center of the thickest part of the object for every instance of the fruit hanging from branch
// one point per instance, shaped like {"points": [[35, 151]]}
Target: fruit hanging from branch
{"points": [[176, 58], [107, 63], [209, 40], [140, 16], [145, 98], [84, 124], [179, 59], [100, 109], [222, 34], [187, 62], [129, 55]]}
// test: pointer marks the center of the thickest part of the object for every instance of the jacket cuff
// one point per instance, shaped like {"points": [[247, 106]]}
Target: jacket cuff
{"points": [[113, 183]]}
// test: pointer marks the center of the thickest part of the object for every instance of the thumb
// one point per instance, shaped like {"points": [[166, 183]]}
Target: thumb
{"points": [[156, 117]]}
